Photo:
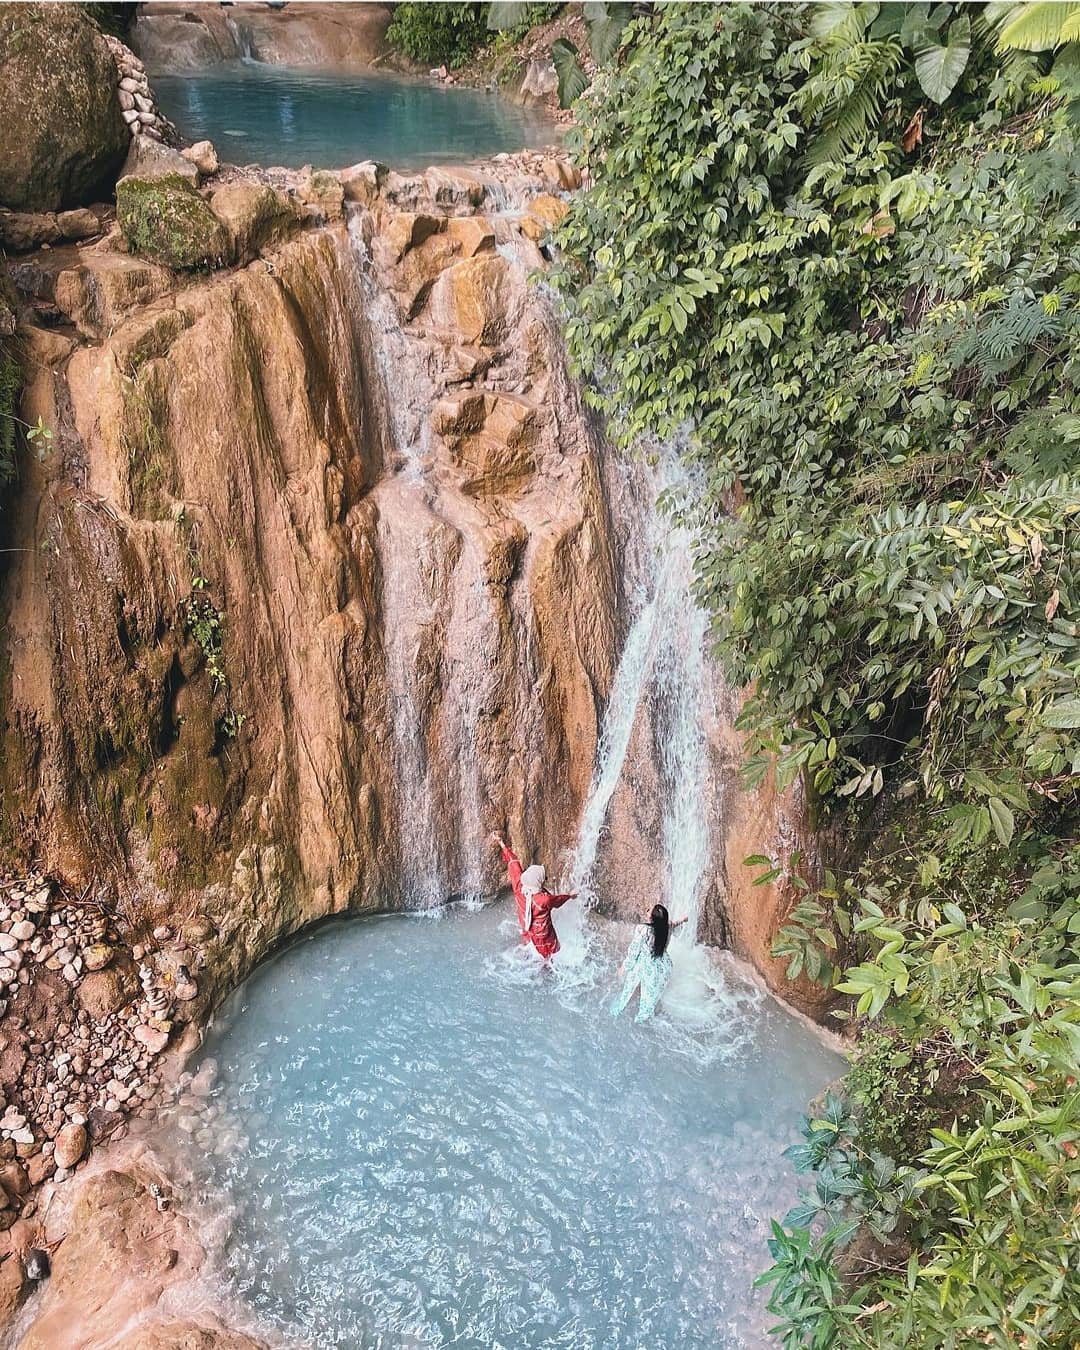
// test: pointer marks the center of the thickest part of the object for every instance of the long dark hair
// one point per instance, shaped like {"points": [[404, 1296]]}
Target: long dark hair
{"points": [[661, 929]]}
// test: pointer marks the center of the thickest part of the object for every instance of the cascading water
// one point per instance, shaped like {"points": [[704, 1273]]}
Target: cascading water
{"points": [[241, 37], [660, 699], [422, 1138]]}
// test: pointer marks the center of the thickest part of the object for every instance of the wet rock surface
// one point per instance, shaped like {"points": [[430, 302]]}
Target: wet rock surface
{"points": [[329, 558], [324, 580], [181, 37]]}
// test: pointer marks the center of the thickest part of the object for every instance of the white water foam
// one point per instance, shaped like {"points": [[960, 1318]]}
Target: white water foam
{"points": [[663, 670]]}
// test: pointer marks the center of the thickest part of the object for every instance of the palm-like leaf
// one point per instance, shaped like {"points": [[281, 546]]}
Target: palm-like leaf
{"points": [[1039, 26], [504, 14], [606, 23]]}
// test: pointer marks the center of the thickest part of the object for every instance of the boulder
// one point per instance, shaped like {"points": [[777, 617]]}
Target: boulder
{"points": [[154, 1039], [492, 439], [97, 293], [150, 159], [323, 193], [104, 992], [255, 216], [203, 155], [361, 182], [166, 220], [541, 80], [14, 1180], [70, 1145], [542, 215], [98, 955], [473, 234], [469, 300], [62, 136], [78, 224], [22, 231], [405, 230]]}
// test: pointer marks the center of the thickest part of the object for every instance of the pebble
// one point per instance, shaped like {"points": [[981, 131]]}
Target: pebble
{"points": [[82, 1066], [70, 1145]]}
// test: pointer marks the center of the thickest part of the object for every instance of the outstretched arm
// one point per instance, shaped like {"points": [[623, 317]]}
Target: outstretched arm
{"points": [[679, 922], [557, 900], [513, 862]]}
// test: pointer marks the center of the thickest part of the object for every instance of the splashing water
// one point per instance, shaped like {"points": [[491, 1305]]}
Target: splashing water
{"points": [[425, 1156], [663, 675]]}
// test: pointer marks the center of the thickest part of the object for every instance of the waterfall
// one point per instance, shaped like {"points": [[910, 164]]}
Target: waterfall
{"points": [[241, 38], [653, 741]]}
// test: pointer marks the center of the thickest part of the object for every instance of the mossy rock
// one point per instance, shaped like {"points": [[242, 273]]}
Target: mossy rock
{"points": [[62, 136], [166, 220]]}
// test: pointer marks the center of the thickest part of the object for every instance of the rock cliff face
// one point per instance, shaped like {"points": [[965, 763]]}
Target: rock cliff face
{"points": [[327, 577], [179, 37]]}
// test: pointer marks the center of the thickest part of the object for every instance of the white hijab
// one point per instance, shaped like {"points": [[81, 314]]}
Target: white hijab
{"points": [[532, 880]]}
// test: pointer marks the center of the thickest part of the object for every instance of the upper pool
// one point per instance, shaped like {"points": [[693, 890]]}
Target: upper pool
{"points": [[280, 115]]}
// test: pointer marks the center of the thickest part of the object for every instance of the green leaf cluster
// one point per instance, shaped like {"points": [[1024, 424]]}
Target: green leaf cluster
{"points": [[439, 33], [830, 257]]}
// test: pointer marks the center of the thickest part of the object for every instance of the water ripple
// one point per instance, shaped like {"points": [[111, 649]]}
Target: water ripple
{"points": [[441, 1144]]}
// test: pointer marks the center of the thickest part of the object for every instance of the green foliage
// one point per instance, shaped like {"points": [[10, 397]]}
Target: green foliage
{"points": [[853, 313], [572, 79], [970, 1085], [37, 435], [10, 388], [1038, 26], [863, 352], [437, 33], [514, 18], [205, 622]]}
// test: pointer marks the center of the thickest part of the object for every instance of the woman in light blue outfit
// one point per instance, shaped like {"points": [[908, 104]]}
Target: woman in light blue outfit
{"points": [[647, 964]]}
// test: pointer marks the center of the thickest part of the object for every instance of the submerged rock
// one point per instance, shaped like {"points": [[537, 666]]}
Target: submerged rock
{"points": [[166, 220], [62, 136]]}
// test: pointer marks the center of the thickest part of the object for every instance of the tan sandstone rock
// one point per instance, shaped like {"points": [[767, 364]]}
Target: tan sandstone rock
{"points": [[203, 155], [103, 992], [70, 1145], [255, 216]]}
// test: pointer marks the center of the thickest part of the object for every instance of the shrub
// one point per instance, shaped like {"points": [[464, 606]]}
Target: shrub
{"points": [[439, 34]]}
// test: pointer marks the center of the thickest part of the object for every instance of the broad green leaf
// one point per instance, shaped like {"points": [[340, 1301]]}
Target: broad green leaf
{"points": [[940, 66], [572, 80], [1063, 715], [1002, 820]]}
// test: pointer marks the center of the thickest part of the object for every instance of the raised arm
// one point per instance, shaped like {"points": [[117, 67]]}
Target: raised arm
{"points": [[513, 862], [557, 900], [679, 922]]}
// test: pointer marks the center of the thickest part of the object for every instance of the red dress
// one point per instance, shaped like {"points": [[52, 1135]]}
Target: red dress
{"points": [[541, 933]]}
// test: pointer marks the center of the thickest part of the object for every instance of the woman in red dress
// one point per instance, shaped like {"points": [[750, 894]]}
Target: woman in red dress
{"points": [[534, 902]]}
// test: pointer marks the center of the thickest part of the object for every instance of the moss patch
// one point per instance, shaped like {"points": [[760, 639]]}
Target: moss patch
{"points": [[166, 220]]}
